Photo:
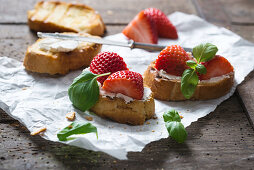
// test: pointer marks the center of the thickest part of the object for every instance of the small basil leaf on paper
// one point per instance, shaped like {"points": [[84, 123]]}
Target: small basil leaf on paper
{"points": [[201, 69], [171, 116], [84, 91], [189, 82], [176, 131], [204, 52], [75, 129], [192, 64]]}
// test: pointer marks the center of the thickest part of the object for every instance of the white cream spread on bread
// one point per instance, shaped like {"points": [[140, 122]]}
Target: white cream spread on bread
{"points": [[165, 75], [127, 99], [57, 45]]}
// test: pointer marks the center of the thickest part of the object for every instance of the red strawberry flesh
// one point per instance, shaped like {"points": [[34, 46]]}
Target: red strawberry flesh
{"points": [[106, 62], [216, 67], [141, 29], [172, 60], [126, 82]]}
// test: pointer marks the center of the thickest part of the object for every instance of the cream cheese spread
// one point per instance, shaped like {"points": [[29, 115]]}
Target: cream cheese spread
{"points": [[57, 45]]}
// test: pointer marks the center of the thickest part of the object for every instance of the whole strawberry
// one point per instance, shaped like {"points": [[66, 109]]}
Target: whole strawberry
{"points": [[172, 60], [125, 82], [106, 62], [164, 26], [215, 67]]}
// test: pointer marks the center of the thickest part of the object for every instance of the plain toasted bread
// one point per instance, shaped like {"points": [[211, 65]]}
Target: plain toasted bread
{"points": [[54, 16], [41, 61], [134, 113], [170, 89]]}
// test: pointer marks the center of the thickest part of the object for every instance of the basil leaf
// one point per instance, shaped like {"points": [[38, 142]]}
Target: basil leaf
{"points": [[177, 131], [204, 52], [191, 64], [84, 91], [171, 116], [201, 69], [76, 128], [189, 82]]}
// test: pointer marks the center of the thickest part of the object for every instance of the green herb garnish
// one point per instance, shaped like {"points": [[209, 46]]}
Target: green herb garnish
{"points": [[189, 81], [84, 91], [174, 126], [76, 128]]}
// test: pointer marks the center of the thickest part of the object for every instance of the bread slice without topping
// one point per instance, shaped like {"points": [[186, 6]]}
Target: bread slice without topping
{"points": [[44, 61], [170, 89], [55, 16]]}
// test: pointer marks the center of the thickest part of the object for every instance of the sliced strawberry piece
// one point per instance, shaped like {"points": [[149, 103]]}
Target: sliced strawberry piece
{"points": [[141, 29], [172, 60], [106, 62], [125, 82], [164, 26], [218, 66]]}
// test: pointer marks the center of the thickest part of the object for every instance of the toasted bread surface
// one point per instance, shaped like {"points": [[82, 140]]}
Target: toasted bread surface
{"points": [[170, 89], [55, 16], [38, 60], [134, 112]]}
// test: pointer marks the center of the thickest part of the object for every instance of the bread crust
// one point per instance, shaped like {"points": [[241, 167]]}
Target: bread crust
{"points": [[37, 60], [134, 112], [52, 16], [170, 89]]}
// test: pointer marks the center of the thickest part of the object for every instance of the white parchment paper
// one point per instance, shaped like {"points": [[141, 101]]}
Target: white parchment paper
{"points": [[39, 100]]}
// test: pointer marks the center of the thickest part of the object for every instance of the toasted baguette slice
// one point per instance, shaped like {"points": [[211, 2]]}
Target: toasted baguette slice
{"points": [[170, 89], [43, 61], [56, 16], [134, 113]]}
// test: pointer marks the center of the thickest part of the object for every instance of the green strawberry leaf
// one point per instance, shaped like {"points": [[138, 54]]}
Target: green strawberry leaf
{"points": [[201, 69], [189, 83], [204, 52], [76, 128]]}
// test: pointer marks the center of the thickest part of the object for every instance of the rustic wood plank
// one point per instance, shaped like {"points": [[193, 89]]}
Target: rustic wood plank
{"points": [[223, 139], [112, 11]]}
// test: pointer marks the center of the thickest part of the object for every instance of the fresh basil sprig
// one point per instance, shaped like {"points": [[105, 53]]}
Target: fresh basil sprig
{"points": [[84, 91], [189, 81], [174, 126], [76, 128]]}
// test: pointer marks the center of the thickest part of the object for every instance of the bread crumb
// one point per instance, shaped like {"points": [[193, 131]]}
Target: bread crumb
{"points": [[109, 12], [147, 123], [70, 116], [24, 88], [38, 131], [153, 130], [181, 117], [89, 118], [155, 117]]}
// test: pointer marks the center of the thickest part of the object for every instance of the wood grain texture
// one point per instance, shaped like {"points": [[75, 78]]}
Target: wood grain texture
{"points": [[223, 139], [112, 11]]}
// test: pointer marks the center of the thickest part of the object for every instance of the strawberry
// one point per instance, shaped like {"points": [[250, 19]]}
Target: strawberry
{"points": [[164, 26], [106, 62], [125, 82], [172, 60], [215, 67], [142, 29]]}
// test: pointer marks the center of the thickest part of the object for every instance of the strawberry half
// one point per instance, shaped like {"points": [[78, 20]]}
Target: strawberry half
{"points": [[125, 82], [164, 26], [142, 29], [172, 60], [106, 62], [217, 66]]}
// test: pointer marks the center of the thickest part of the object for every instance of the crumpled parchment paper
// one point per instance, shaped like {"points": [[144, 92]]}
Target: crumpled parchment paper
{"points": [[39, 100]]}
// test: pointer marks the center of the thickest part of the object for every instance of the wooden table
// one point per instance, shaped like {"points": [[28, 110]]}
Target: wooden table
{"points": [[224, 139]]}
